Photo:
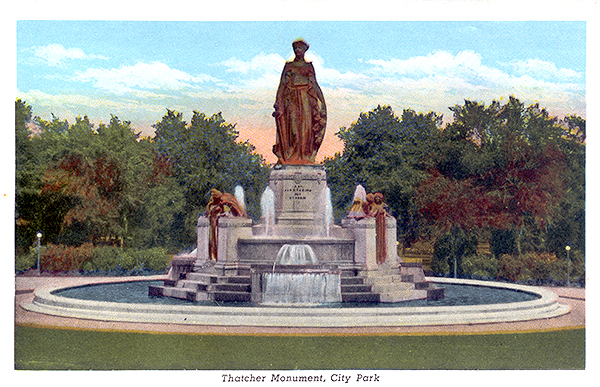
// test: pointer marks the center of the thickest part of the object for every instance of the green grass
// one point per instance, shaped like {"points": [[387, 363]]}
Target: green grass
{"points": [[56, 349]]}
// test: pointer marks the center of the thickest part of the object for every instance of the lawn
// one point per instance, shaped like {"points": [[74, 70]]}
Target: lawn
{"points": [[58, 349]]}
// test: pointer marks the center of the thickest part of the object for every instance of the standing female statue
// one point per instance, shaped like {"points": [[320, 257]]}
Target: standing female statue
{"points": [[300, 112]]}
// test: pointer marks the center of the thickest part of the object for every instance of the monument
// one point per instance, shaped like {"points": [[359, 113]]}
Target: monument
{"points": [[295, 254]]}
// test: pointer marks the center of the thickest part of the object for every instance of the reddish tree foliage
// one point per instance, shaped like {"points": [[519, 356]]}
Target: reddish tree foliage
{"points": [[529, 185], [93, 188]]}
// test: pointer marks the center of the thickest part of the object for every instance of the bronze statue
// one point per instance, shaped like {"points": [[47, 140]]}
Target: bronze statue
{"points": [[373, 207], [220, 204], [356, 211], [300, 111], [379, 212]]}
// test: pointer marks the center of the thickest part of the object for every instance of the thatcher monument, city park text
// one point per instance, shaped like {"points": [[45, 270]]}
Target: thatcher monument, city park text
{"points": [[295, 254]]}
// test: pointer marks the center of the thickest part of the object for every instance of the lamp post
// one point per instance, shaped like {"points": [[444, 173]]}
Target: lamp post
{"points": [[39, 237], [568, 248]]}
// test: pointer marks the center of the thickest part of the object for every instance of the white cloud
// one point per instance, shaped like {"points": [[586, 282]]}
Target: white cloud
{"points": [[465, 73], [261, 71], [62, 101], [542, 69], [261, 63], [155, 75], [57, 54], [330, 76], [264, 71]]}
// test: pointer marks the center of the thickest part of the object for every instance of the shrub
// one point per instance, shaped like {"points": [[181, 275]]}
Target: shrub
{"points": [[24, 262], [119, 261], [542, 268], [480, 265], [65, 258], [105, 260], [154, 259]]}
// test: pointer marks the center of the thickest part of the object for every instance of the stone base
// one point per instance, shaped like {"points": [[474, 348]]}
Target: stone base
{"points": [[300, 197]]}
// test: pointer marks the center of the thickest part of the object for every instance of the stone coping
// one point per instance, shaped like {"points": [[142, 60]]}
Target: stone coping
{"points": [[275, 316]]}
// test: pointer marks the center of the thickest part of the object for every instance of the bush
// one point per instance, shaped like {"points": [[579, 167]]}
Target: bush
{"points": [[26, 261], [542, 268], [109, 257], [105, 260], [531, 268], [154, 259], [480, 265], [65, 258], [128, 261]]}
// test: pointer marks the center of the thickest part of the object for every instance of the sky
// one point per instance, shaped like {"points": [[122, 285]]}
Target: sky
{"points": [[136, 70]]}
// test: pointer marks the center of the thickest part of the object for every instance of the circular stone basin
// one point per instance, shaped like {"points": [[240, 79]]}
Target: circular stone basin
{"points": [[137, 293], [129, 302]]}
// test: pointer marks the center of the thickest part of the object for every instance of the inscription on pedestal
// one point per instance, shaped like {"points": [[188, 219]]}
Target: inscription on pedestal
{"points": [[299, 200], [296, 197]]}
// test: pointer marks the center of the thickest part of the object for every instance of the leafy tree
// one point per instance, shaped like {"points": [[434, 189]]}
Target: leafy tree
{"points": [[95, 177], [27, 181], [207, 154], [385, 154], [568, 226], [499, 168]]}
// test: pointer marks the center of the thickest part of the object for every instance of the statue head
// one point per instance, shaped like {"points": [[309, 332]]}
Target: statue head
{"points": [[300, 43], [215, 193], [300, 47], [378, 198]]}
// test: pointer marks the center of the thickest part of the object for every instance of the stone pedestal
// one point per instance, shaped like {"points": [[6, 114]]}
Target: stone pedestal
{"points": [[202, 245], [365, 241], [231, 229], [299, 200]]}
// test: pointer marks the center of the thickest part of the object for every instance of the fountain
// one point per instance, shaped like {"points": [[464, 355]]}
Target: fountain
{"points": [[296, 278], [296, 256], [267, 206], [234, 256]]}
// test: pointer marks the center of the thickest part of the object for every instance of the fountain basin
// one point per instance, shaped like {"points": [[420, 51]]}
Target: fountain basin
{"points": [[546, 306]]}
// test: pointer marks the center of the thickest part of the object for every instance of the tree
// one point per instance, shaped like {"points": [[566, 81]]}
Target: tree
{"points": [[94, 179], [207, 154], [385, 154], [27, 182], [499, 168]]}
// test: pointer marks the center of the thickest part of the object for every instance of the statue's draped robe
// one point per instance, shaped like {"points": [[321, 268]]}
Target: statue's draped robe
{"points": [[380, 233], [224, 205], [300, 114]]}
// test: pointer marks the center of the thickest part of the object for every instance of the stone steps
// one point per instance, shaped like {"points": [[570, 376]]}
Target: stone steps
{"points": [[356, 288], [351, 280], [385, 285], [231, 296], [360, 297], [403, 295], [392, 287]]}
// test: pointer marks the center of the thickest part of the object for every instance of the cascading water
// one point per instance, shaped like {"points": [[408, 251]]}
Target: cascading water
{"points": [[267, 206], [306, 286], [301, 288], [296, 255], [360, 193], [328, 210], [239, 195]]}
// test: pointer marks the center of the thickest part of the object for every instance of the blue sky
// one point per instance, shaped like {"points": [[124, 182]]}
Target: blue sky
{"points": [[137, 70]]}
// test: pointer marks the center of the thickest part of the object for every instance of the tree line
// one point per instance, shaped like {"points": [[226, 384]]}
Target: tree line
{"points": [[77, 183], [504, 173]]}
